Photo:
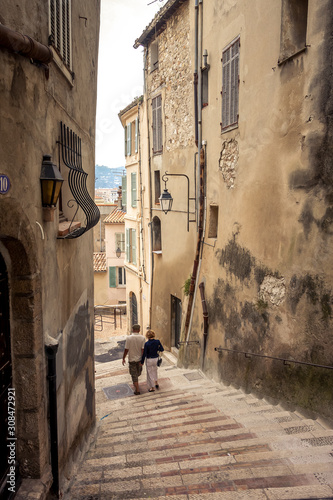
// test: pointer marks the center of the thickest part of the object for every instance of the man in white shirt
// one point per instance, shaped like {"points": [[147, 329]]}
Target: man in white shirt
{"points": [[134, 346]]}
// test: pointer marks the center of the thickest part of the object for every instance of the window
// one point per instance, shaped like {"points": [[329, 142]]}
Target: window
{"points": [[157, 179], [157, 124], [121, 276], [133, 190], [131, 246], [120, 241], [136, 135], [213, 221], [230, 85], [128, 139], [124, 191], [294, 17], [154, 56], [117, 277], [204, 94], [157, 240], [60, 29]]}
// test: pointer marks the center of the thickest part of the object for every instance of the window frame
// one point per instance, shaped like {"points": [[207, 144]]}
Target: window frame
{"points": [[119, 240], [230, 86], [294, 26], [134, 194], [121, 277], [130, 239]]}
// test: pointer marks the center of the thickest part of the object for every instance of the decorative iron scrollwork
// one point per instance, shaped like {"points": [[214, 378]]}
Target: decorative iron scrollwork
{"points": [[70, 144]]}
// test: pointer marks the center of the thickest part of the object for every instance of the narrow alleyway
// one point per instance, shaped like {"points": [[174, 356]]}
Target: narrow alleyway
{"points": [[195, 439]]}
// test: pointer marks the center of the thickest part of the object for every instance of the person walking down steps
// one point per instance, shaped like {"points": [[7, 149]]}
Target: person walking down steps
{"points": [[134, 346], [150, 354]]}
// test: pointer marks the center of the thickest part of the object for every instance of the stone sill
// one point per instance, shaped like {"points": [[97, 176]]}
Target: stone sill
{"points": [[67, 227]]}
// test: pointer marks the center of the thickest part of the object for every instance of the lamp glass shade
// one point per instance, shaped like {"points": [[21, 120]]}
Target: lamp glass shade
{"points": [[51, 182], [118, 253], [166, 201]]}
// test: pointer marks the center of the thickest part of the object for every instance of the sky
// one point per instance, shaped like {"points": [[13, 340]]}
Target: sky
{"points": [[120, 71]]}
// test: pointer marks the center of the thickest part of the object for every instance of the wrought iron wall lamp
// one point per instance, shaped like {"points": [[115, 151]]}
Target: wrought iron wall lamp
{"points": [[166, 198], [118, 252], [51, 181]]}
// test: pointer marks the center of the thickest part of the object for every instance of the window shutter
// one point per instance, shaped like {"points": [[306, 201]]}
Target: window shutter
{"points": [[136, 134], [60, 29], [125, 139], [133, 189], [112, 277], [124, 191], [230, 87], [134, 246], [157, 123], [129, 139], [127, 242]]}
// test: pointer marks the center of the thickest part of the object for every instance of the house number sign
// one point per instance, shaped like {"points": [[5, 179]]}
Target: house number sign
{"points": [[4, 184]]}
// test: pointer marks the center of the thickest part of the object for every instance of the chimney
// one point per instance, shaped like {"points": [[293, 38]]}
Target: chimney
{"points": [[119, 201]]}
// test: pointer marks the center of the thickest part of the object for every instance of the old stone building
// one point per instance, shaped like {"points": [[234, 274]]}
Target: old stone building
{"points": [[168, 141], [48, 58], [260, 255]]}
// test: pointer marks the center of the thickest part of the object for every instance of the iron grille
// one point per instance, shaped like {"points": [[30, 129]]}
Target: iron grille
{"points": [[70, 145]]}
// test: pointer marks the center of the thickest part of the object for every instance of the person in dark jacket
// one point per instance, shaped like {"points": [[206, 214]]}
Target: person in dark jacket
{"points": [[150, 354]]}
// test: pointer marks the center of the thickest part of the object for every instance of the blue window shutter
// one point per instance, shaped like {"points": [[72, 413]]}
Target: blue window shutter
{"points": [[127, 241], [112, 277], [136, 134], [133, 189], [124, 191], [134, 246]]}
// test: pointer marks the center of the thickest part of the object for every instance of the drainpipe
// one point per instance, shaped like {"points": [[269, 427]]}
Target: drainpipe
{"points": [[51, 353], [195, 81], [24, 45]]}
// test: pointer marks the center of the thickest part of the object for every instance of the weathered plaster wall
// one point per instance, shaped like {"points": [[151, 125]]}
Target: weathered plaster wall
{"points": [[268, 279], [51, 300]]}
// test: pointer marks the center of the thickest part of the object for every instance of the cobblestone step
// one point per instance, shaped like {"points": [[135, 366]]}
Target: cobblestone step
{"points": [[200, 440]]}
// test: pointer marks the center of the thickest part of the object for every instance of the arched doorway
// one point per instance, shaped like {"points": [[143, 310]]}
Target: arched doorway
{"points": [[134, 310], [7, 394]]}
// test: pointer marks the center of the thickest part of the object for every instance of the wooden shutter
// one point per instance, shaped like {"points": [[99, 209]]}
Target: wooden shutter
{"points": [[125, 139], [230, 85], [157, 124], [127, 242], [129, 139], [124, 191], [133, 189], [60, 29], [134, 246], [136, 134], [112, 277]]}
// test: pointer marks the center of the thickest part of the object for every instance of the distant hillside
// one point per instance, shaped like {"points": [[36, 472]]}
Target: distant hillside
{"points": [[106, 177]]}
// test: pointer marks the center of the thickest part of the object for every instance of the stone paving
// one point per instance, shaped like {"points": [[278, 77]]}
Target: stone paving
{"points": [[196, 439]]}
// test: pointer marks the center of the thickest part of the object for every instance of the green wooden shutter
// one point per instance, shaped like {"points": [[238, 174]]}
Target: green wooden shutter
{"points": [[134, 246], [133, 189], [112, 277], [125, 139], [127, 242], [136, 134], [129, 139], [124, 191]]}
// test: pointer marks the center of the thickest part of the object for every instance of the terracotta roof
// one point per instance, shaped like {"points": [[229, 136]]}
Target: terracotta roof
{"points": [[158, 22], [99, 262], [137, 100], [115, 217]]}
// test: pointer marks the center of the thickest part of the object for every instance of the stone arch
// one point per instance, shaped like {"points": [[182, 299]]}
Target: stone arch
{"points": [[19, 250]]}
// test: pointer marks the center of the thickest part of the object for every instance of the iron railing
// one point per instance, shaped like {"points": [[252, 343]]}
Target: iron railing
{"points": [[70, 144], [285, 361]]}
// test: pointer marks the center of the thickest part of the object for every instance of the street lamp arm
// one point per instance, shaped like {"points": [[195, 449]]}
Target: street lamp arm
{"points": [[165, 178]]}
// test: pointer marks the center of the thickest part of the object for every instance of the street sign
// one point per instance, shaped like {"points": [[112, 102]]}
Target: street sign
{"points": [[4, 184]]}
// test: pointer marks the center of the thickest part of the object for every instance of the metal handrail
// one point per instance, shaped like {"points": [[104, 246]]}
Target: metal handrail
{"points": [[285, 361], [188, 342]]}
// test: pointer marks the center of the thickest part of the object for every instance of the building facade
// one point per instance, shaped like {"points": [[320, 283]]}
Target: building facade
{"points": [[261, 260], [136, 199], [48, 103], [168, 140]]}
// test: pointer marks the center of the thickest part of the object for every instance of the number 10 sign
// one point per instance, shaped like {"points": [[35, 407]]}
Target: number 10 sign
{"points": [[4, 184]]}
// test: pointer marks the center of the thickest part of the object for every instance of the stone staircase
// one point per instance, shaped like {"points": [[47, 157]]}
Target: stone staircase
{"points": [[195, 439]]}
